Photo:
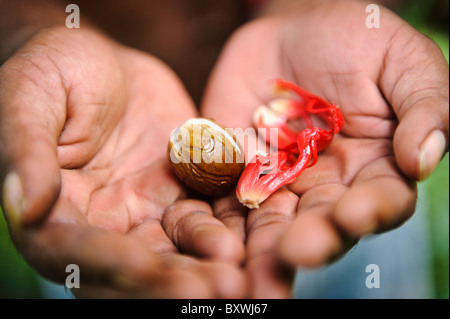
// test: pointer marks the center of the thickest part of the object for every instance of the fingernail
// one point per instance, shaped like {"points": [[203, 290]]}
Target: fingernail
{"points": [[431, 153], [14, 203]]}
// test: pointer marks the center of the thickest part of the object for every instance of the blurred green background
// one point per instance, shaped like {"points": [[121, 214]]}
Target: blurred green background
{"points": [[432, 18], [18, 280]]}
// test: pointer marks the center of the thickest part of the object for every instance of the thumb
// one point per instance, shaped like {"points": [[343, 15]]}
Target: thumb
{"points": [[415, 82], [32, 115]]}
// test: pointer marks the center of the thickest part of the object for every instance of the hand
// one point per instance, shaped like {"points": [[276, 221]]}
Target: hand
{"points": [[84, 125], [392, 87]]}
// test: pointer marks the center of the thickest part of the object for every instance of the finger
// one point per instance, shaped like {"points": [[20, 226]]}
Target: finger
{"points": [[333, 216], [379, 199], [415, 82], [184, 278], [191, 226], [171, 282], [32, 115], [102, 257], [174, 284], [151, 234], [137, 265], [232, 214], [269, 276], [313, 239], [223, 280], [95, 87]]}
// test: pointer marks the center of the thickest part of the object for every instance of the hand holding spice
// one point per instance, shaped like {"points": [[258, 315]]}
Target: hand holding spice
{"points": [[391, 85]]}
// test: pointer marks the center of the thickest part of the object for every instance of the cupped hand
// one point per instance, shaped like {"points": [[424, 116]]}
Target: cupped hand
{"points": [[84, 125], [391, 84]]}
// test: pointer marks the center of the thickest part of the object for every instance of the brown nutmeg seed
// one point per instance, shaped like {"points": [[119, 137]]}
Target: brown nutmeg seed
{"points": [[206, 156]]}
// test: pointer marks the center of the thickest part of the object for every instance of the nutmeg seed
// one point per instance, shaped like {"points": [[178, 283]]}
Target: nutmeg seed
{"points": [[206, 156]]}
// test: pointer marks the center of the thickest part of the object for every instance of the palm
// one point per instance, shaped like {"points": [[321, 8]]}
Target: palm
{"points": [[128, 181], [346, 194]]}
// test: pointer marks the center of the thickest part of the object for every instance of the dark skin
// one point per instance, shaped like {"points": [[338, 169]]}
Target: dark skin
{"points": [[83, 149], [364, 181]]}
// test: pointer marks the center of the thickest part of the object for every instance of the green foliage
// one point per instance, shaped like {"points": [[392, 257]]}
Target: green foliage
{"points": [[437, 188], [423, 16], [17, 279], [429, 13]]}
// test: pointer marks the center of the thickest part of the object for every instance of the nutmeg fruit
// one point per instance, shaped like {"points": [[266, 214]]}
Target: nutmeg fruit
{"points": [[206, 156]]}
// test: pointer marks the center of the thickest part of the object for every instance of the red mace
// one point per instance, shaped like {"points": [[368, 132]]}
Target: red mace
{"points": [[297, 148]]}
